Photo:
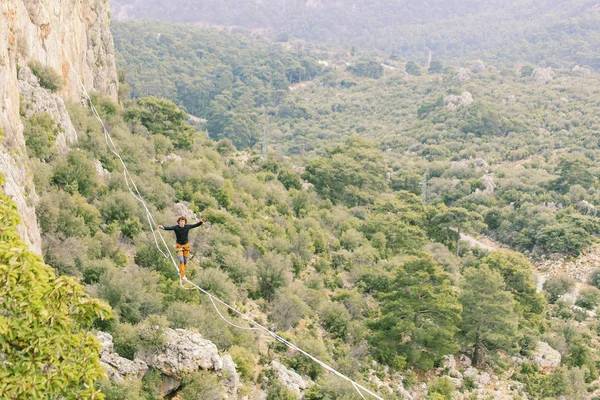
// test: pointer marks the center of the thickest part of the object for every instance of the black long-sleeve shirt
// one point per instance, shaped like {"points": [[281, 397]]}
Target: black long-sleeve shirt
{"points": [[182, 232]]}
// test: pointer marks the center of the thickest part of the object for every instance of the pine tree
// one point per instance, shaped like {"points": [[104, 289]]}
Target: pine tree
{"points": [[420, 315], [488, 321]]}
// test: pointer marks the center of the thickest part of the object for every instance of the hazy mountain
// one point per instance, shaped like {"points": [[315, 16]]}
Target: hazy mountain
{"points": [[557, 31]]}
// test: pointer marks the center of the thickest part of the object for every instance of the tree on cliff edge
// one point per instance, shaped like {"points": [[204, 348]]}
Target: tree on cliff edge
{"points": [[45, 350]]}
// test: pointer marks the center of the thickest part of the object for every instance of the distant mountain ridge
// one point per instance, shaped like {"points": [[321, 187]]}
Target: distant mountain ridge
{"points": [[557, 32]]}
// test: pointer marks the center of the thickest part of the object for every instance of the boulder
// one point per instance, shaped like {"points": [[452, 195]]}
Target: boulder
{"points": [[545, 356], [118, 368], [185, 352], [463, 75], [182, 209], [488, 182], [542, 75], [478, 67], [290, 379], [454, 102]]}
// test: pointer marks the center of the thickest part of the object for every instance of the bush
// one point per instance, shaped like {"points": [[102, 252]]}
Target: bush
{"points": [[132, 292], [76, 174], [40, 132], [202, 318], [152, 332], [443, 387], [126, 340], [288, 309], [217, 283], [46, 76], [594, 278], [335, 319], [588, 298], [148, 256], [244, 360], [558, 285], [128, 390], [273, 271], [200, 385]]}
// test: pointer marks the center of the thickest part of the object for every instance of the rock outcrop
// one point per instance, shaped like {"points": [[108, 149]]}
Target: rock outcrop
{"points": [[37, 100], [289, 378], [51, 32], [454, 102], [185, 352], [118, 368], [545, 356], [542, 75], [463, 74]]}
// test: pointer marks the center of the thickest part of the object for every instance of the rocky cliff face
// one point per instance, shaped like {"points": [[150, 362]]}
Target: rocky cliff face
{"points": [[66, 30]]}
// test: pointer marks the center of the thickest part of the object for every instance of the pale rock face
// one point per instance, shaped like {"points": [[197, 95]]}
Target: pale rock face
{"points": [[181, 209], [478, 67], [455, 102], [488, 182], [290, 379], [185, 352], [542, 75], [117, 367], [463, 75], [28, 34], [545, 356], [38, 100]]}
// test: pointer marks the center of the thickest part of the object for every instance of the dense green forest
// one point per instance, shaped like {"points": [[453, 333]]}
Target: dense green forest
{"points": [[555, 32], [338, 185], [515, 148], [348, 272]]}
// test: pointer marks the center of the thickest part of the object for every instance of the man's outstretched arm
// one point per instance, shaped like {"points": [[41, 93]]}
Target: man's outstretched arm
{"points": [[197, 224], [166, 228]]}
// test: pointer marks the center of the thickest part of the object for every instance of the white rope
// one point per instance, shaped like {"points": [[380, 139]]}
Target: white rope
{"points": [[133, 189]]}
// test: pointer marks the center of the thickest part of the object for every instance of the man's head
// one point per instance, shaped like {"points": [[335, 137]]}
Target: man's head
{"points": [[181, 221]]}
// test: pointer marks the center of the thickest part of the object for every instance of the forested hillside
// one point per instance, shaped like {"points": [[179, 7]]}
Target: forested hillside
{"points": [[355, 275], [514, 147], [556, 32], [339, 185]]}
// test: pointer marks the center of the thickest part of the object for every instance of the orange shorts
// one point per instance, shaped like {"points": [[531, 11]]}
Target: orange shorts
{"points": [[185, 248]]}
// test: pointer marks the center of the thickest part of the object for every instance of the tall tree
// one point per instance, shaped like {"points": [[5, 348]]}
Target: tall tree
{"points": [[352, 174], [517, 273], [419, 316], [456, 219], [45, 349], [488, 321]]}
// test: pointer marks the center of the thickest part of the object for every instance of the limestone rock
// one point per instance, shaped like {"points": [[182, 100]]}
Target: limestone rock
{"points": [[38, 100], [117, 367], [542, 75], [28, 34], [100, 170], [463, 75], [290, 379], [182, 209], [586, 207], [577, 68], [478, 67], [511, 99], [545, 356], [464, 360], [184, 352], [454, 102], [488, 182], [231, 379]]}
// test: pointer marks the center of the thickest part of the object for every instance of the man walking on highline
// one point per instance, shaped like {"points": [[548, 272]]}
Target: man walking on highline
{"points": [[182, 247]]}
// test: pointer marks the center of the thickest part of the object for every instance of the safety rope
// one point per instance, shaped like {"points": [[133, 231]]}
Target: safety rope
{"points": [[133, 189]]}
